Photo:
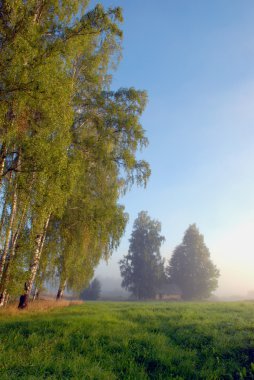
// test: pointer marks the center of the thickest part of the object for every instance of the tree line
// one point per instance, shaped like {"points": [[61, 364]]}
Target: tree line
{"points": [[68, 143], [190, 267]]}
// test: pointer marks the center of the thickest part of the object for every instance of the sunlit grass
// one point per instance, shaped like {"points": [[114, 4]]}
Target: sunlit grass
{"points": [[37, 307], [129, 341]]}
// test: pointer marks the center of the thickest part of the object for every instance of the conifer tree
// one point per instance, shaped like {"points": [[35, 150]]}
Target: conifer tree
{"points": [[191, 267], [142, 269]]}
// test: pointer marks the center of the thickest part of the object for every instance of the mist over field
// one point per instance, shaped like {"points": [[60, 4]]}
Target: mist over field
{"points": [[199, 121], [230, 251]]}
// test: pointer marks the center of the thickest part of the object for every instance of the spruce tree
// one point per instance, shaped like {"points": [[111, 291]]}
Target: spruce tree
{"points": [[142, 269], [191, 267]]}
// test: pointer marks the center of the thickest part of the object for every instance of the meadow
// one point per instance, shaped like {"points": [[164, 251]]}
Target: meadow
{"points": [[107, 341]]}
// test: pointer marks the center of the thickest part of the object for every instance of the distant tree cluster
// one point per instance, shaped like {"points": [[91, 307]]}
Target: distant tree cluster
{"points": [[92, 292], [190, 267], [68, 143]]}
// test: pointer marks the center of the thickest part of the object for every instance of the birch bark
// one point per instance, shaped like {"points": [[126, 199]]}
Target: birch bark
{"points": [[38, 12], [61, 289], [39, 243], [2, 221], [12, 252], [2, 161], [9, 231]]}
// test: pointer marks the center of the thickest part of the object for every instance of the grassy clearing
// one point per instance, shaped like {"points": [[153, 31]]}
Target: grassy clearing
{"points": [[129, 341]]}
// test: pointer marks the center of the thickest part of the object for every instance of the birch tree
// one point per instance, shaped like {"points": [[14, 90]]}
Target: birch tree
{"points": [[58, 122]]}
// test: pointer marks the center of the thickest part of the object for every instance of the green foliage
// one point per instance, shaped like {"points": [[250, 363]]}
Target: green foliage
{"points": [[67, 142], [90, 229], [130, 341], [92, 292], [191, 268], [142, 269]]}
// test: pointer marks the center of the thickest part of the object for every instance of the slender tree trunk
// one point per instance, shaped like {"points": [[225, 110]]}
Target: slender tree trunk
{"points": [[3, 298], [9, 231], [11, 220], [39, 283], [39, 243], [3, 216], [2, 160], [38, 12], [12, 252], [7, 298], [61, 289], [36, 294]]}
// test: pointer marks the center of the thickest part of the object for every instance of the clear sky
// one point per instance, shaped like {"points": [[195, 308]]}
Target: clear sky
{"points": [[196, 61]]}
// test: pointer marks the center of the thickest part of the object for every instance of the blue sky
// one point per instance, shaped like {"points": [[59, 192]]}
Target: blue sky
{"points": [[196, 61]]}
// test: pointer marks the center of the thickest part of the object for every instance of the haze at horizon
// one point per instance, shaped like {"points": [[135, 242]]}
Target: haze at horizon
{"points": [[196, 60]]}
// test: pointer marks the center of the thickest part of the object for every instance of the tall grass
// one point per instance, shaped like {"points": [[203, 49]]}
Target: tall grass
{"points": [[36, 307], [129, 341]]}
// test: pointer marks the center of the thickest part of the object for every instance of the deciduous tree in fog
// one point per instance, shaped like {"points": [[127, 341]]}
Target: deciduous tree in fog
{"points": [[142, 269], [191, 267]]}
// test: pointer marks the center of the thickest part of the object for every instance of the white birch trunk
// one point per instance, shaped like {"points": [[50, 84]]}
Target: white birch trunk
{"points": [[36, 292], [11, 220], [39, 243], [61, 290], [2, 161], [3, 298], [12, 251], [3, 216], [9, 231], [38, 12]]}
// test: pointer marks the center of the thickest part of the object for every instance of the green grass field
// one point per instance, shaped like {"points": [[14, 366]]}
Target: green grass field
{"points": [[130, 341]]}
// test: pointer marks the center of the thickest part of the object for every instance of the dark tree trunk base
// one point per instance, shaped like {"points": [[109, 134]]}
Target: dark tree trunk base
{"points": [[59, 295], [1, 299], [23, 301]]}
